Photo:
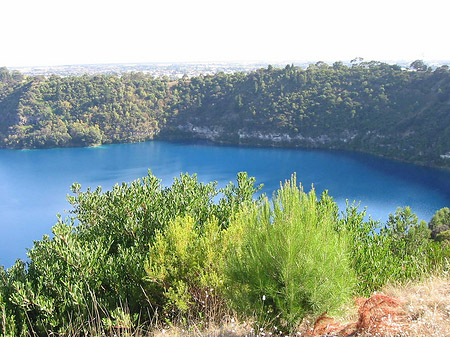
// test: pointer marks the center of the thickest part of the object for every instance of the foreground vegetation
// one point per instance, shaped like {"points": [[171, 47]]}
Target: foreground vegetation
{"points": [[144, 255], [370, 106]]}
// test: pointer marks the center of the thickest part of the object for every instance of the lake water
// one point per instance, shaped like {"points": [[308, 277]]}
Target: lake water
{"points": [[34, 183]]}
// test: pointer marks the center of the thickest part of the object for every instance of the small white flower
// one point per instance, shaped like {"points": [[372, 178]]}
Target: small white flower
{"points": [[264, 297]]}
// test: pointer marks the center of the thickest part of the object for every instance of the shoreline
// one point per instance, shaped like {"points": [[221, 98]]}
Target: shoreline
{"points": [[250, 143]]}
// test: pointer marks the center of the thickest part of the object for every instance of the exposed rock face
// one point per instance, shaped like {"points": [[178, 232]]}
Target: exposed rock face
{"points": [[219, 134], [202, 132]]}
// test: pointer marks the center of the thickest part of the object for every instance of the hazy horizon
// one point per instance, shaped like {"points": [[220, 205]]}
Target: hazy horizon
{"points": [[249, 62], [55, 33]]}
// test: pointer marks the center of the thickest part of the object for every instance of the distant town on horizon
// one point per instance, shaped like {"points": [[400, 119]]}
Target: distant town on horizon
{"points": [[179, 69]]}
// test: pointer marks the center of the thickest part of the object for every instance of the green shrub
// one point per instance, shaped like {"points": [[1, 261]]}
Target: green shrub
{"points": [[292, 260], [443, 236], [440, 224], [95, 261], [399, 251], [440, 218], [184, 267]]}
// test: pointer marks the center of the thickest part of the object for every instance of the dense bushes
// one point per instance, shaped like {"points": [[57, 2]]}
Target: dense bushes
{"points": [[194, 252], [440, 225], [398, 251], [85, 271], [291, 261], [184, 267]]}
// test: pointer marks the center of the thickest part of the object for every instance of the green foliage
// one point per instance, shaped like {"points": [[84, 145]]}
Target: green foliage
{"points": [[440, 222], [440, 218], [96, 261], [120, 323], [418, 65], [440, 225], [184, 266], [80, 111], [186, 251], [291, 261], [443, 236], [399, 251], [186, 258]]}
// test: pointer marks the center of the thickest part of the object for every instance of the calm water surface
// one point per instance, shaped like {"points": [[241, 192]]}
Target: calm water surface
{"points": [[34, 183]]}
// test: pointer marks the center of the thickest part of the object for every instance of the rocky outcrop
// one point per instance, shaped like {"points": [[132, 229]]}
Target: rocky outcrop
{"points": [[219, 134]]}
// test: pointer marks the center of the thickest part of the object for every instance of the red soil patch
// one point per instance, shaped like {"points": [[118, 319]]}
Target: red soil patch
{"points": [[378, 315]]}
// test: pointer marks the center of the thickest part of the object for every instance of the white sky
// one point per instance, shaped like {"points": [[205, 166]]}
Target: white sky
{"points": [[55, 32]]}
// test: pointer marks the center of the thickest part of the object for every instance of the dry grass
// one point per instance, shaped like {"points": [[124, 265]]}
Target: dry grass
{"points": [[427, 305], [230, 328], [416, 309]]}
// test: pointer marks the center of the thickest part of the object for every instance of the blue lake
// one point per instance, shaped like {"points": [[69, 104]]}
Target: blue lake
{"points": [[34, 183]]}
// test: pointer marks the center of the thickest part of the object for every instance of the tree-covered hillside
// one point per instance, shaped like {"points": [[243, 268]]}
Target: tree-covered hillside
{"points": [[79, 111], [370, 106]]}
